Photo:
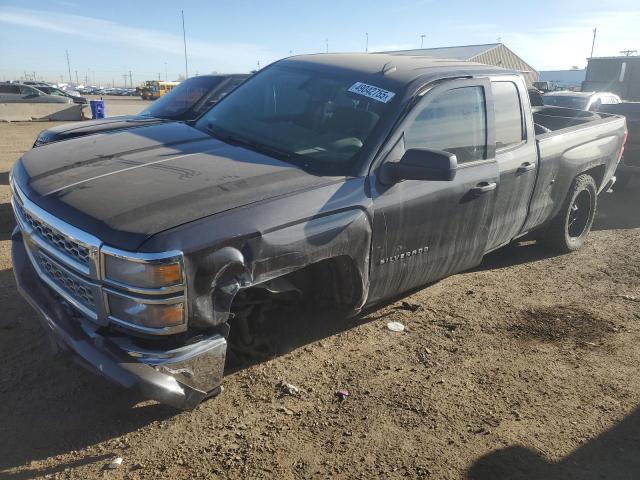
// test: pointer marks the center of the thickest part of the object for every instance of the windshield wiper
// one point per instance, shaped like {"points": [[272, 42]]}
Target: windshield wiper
{"points": [[251, 144]]}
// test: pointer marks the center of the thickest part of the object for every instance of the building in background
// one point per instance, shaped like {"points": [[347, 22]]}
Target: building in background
{"points": [[564, 79], [496, 54], [619, 75]]}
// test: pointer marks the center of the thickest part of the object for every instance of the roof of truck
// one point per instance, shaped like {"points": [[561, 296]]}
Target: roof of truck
{"points": [[401, 68]]}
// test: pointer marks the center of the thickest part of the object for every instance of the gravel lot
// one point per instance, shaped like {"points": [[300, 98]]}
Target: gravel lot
{"points": [[524, 368]]}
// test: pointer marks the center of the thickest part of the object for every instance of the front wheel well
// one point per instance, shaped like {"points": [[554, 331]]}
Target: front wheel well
{"points": [[332, 283]]}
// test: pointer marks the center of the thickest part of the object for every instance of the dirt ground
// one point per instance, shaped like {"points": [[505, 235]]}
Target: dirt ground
{"points": [[525, 368]]}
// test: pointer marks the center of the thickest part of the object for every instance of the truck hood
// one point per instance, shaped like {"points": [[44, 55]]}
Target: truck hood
{"points": [[79, 129], [125, 186]]}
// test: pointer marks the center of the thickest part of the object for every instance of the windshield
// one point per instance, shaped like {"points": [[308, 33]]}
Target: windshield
{"points": [[181, 98], [52, 91], [307, 116], [567, 101]]}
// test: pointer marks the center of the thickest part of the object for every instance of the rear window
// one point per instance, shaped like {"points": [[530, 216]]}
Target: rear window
{"points": [[508, 114]]}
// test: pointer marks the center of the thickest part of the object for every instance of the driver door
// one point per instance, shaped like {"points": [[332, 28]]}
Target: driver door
{"points": [[424, 230]]}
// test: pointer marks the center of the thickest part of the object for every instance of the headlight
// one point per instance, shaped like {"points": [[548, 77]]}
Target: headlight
{"points": [[150, 315], [143, 273], [145, 291]]}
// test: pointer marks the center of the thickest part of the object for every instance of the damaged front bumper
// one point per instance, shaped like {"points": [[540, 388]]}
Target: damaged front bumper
{"points": [[180, 377]]}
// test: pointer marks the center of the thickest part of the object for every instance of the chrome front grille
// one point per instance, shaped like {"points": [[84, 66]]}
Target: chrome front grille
{"points": [[63, 243], [69, 261], [72, 284]]}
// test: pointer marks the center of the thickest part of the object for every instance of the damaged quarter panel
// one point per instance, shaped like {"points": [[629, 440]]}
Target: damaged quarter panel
{"points": [[252, 245]]}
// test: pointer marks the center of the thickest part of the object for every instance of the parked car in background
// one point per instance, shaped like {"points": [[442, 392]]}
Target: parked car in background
{"points": [[589, 101], [20, 93], [630, 163], [545, 87], [187, 101], [535, 97], [49, 90], [339, 180]]}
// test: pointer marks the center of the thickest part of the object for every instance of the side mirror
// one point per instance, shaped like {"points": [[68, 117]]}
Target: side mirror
{"points": [[421, 164]]}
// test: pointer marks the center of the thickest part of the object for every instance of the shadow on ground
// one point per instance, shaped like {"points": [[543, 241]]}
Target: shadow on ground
{"points": [[4, 178], [620, 209], [7, 221], [614, 455]]}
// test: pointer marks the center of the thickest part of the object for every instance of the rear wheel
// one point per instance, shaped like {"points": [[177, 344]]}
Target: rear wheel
{"points": [[569, 229]]}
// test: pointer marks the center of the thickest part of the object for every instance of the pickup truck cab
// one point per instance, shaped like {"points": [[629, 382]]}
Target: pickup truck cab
{"points": [[185, 102], [336, 180]]}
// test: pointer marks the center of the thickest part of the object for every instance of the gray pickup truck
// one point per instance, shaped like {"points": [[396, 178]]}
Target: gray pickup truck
{"points": [[339, 180]]}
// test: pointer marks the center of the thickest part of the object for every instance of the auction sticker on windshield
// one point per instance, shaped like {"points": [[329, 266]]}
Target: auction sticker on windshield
{"points": [[370, 91]]}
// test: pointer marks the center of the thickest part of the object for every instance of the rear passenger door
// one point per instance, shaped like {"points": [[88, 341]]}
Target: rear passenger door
{"points": [[516, 156], [424, 230]]}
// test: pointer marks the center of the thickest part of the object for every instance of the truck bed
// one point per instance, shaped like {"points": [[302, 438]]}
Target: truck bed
{"points": [[593, 138], [557, 118]]}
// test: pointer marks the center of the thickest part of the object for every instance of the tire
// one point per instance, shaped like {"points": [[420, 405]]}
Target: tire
{"points": [[569, 229]]}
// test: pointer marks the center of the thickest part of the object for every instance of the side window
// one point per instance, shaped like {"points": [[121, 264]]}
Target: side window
{"points": [[26, 90], [454, 122], [8, 88], [508, 114]]}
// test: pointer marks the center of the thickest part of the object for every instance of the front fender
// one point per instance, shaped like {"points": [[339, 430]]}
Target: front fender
{"points": [[278, 252]]}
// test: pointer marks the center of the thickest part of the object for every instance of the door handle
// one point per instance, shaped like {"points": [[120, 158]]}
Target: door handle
{"points": [[526, 167], [483, 187]]}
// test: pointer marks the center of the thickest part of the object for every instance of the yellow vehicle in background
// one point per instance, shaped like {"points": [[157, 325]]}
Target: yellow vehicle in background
{"points": [[154, 89]]}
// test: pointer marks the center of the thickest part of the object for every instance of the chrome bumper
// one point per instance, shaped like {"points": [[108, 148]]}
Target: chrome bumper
{"points": [[182, 377]]}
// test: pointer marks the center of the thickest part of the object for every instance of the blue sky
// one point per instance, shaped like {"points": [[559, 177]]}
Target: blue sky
{"points": [[106, 39]]}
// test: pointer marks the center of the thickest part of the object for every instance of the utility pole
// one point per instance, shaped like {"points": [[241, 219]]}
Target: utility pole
{"points": [[290, 53], [125, 80], [68, 66], [130, 80], [184, 40], [422, 40], [593, 43], [366, 45], [165, 71], [326, 41], [628, 53], [77, 82]]}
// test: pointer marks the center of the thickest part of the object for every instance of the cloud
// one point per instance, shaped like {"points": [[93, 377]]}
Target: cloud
{"points": [[227, 56]]}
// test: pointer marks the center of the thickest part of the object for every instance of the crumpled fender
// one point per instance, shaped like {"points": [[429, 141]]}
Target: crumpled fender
{"points": [[272, 254]]}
